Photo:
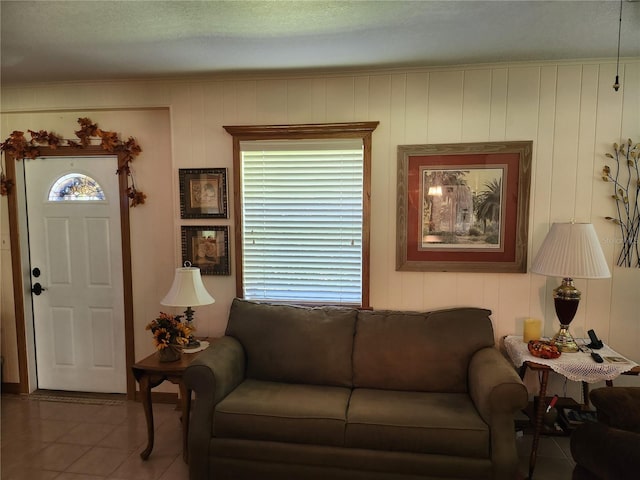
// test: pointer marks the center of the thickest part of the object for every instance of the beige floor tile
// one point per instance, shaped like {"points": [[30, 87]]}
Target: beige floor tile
{"points": [[549, 469], [58, 456], [78, 476], [37, 430], [20, 449], [564, 444], [127, 437], [178, 470], [86, 433], [547, 447], [101, 461], [27, 473], [134, 468], [110, 414]]}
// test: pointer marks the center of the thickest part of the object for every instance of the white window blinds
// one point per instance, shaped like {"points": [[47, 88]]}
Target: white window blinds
{"points": [[302, 220]]}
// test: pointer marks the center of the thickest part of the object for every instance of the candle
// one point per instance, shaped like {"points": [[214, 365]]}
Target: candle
{"points": [[532, 329]]}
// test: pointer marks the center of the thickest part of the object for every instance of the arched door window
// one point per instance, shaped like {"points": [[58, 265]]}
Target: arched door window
{"points": [[75, 187]]}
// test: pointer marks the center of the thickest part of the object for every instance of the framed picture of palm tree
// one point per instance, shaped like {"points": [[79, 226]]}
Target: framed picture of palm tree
{"points": [[463, 207]]}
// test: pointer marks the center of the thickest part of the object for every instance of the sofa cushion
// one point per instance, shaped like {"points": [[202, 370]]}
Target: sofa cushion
{"points": [[285, 343], [282, 412], [419, 422], [427, 352]]}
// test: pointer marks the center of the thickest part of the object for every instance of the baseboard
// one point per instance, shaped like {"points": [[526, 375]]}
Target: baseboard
{"points": [[156, 397], [10, 387]]}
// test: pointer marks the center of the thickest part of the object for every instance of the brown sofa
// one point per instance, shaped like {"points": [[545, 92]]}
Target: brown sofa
{"points": [[609, 449], [315, 393]]}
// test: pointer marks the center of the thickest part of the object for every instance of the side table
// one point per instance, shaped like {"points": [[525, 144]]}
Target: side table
{"points": [[577, 366], [151, 372]]}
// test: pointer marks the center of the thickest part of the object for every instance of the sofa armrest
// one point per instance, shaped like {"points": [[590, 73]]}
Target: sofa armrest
{"points": [[212, 376], [497, 392], [606, 453], [618, 407], [494, 385]]}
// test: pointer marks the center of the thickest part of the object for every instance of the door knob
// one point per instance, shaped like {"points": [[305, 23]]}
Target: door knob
{"points": [[37, 289]]}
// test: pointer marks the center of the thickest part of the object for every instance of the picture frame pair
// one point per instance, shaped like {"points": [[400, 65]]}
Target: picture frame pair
{"points": [[203, 194]]}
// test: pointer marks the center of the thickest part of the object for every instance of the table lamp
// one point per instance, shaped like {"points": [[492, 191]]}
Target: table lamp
{"points": [[570, 250], [188, 291]]}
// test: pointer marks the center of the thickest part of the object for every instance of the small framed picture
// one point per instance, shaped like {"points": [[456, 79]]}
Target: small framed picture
{"points": [[203, 192], [207, 247]]}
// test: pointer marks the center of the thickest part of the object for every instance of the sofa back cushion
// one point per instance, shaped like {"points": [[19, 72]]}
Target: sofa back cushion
{"points": [[285, 343], [424, 352]]}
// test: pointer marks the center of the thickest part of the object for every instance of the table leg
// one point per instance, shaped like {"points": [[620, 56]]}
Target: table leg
{"points": [[185, 404], [585, 395], [145, 393], [538, 421]]}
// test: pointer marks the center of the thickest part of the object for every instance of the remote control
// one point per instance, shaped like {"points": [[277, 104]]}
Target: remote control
{"points": [[596, 357]]}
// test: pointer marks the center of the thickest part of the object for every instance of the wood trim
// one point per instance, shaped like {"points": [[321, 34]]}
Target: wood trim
{"points": [[16, 270], [67, 151], [366, 223], [127, 280], [299, 131], [237, 216], [361, 130]]}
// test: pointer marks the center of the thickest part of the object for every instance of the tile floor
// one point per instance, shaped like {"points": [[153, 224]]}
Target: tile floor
{"points": [[46, 440]]}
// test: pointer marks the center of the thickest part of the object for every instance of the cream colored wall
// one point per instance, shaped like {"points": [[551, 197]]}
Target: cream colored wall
{"points": [[568, 109]]}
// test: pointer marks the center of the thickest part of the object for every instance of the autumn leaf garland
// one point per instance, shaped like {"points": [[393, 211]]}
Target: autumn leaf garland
{"points": [[19, 147]]}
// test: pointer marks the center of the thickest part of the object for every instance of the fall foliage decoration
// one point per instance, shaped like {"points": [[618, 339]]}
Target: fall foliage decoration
{"points": [[625, 178], [19, 147]]}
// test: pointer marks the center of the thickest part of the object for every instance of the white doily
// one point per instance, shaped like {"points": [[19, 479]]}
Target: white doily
{"points": [[579, 366], [203, 344]]}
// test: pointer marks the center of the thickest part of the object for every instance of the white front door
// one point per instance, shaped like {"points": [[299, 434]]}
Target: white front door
{"points": [[76, 257]]}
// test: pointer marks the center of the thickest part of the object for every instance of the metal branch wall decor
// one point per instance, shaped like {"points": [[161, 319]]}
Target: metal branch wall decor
{"points": [[625, 177], [19, 147]]}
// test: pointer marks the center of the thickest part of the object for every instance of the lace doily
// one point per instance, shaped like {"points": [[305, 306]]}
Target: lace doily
{"points": [[579, 366], [203, 344]]}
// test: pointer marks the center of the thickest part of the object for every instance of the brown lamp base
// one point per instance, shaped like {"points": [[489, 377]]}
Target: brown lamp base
{"points": [[566, 299]]}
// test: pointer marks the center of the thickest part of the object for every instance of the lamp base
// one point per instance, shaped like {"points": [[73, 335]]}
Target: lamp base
{"points": [[193, 343], [564, 340]]}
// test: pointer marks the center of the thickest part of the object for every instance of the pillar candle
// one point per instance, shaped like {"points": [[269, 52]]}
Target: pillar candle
{"points": [[532, 329]]}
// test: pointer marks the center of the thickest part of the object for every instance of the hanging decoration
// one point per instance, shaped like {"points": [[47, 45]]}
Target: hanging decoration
{"points": [[616, 83], [624, 175], [19, 147]]}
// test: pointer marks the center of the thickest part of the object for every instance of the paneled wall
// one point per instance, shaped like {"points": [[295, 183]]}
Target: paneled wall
{"points": [[568, 109]]}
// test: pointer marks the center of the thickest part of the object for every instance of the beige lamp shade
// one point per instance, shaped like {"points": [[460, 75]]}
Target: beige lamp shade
{"points": [[571, 250], [187, 289]]}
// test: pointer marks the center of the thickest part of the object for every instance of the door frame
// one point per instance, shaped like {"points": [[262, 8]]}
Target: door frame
{"points": [[18, 256]]}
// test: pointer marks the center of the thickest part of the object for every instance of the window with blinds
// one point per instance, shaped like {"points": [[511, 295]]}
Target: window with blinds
{"points": [[302, 220]]}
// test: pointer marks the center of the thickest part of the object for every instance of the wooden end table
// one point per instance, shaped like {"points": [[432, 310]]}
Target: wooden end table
{"points": [[540, 407], [151, 372]]}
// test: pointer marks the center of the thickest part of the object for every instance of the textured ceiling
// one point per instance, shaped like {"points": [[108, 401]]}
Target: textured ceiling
{"points": [[84, 40]]}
